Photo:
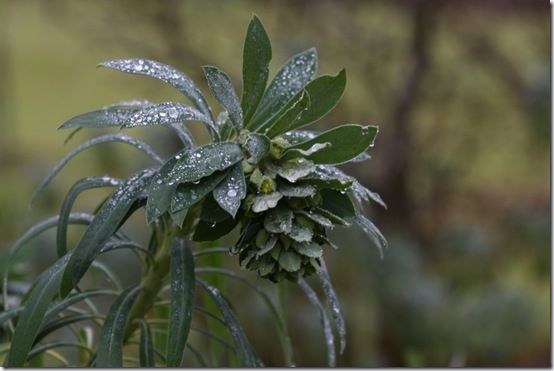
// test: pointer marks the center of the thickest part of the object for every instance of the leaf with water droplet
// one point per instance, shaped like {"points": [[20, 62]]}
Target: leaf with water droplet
{"points": [[188, 194], [290, 79], [278, 220], [222, 89], [265, 202], [311, 249], [165, 73], [232, 190], [318, 218], [289, 260], [295, 169], [337, 203], [372, 232], [106, 117], [332, 299], [304, 190], [290, 115], [299, 233], [298, 136], [257, 146]]}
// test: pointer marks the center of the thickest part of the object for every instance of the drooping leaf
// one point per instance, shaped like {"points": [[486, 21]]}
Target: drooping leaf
{"points": [[57, 307], [188, 194], [79, 187], [246, 354], [104, 118], [182, 301], [222, 89], [184, 135], [346, 142], [110, 345], [327, 330], [98, 140], [332, 299], [326, 176], [167, 114], [214, 221], [41, 348], [290, 79], [203, 161], [65, 321], [31, 319], [291, 114], [146, 348], [337, 203], [372, 232], [165, 73], [104, 224], [257, 146], [230, 192], [318, 218], [255, 67]]}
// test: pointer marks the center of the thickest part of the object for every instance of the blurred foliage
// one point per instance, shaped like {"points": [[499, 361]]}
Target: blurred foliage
{"points": [[460, 90]]}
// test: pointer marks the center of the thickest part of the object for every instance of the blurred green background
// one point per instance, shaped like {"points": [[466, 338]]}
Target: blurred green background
{"points": [[460, 90]]}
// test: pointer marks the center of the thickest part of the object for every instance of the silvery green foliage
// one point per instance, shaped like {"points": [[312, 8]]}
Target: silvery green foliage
{"points": [[263, 174]]}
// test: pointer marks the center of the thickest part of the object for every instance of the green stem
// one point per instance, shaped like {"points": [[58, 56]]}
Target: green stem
{"points": [[152, 282]]}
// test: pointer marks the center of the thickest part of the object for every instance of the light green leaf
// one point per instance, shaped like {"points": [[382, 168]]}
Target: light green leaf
{"points": [[188, 194], [289, 260], [257, 146], [110, 346], [222, 89], [265, 202], [105, 223], [347, 142], [230, 192], [312, 249], [300, 234], [290, 79], [246, 354], [182, 301], [304, 190], [165, 73], [255, 67], [295, 169], [31, 319]]}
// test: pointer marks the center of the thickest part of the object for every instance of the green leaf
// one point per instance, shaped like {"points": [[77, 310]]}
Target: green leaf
{"points": [[265, 202], [300, 234], [146, 348], [102, 227], [290, 79], [214, 222], [79, 187], [230, 192], [9, 314], [167, 113], [332, 299], [289, 261], [337, 203], [98, 140], [203, 161], [257, 146], [347, 142], [165, 73], [104, 118], [291, 115], [295, 169], [372, 232], [110, 346], [278, 220], [255, 67], [302, 190], [161, 190], [312, 249], [222, 89], [188, 194], [31, 319], [182, 301], [246, 354]]}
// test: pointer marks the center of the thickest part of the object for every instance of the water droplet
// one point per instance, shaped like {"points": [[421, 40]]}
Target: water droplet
{"points": [[231, 193]]}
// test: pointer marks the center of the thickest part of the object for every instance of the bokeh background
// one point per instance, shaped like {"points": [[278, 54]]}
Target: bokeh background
{"points": [[460, 90]]}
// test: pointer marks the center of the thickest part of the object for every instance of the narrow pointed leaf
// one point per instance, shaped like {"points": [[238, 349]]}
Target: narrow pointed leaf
{"points": [[104, 224], [110, 346], [246, 354], [332, 299], [337, 203], [182, 301], [327, 330], [232, 190], [98, 140], [291, 115], [31, 319], [167, 113], [79, 187], [188, 194], [346, 142], [146, 348], [222, 89], [165, 73], [290, 79], [161, 189], [255, 67], [104, 118], [372, 232]]}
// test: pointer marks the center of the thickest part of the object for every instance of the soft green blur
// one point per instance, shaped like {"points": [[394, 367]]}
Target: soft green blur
{"points": [[460, 90]]}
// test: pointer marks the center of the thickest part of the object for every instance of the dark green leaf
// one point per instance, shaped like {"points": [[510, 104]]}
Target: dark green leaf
{"points": [[188, 194], [161, 190], [295, 169], [311, 249], [62, 322], [104, 118], [346, 142], [212, 231], [103, 226], [244, 350], [110, 346], [289, 260], [31, 319], [291, 115], [99, 140], [230, 192], [165, 73], [222, 89], [290, 79], [255, 67], [278, 220], [9, 314], [265, 202], [332, 299], [372, 232], [257, 146], [146, 348], [79, 187], [337, 203], [182, 301]]}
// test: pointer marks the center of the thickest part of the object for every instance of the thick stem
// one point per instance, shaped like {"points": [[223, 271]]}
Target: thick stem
{"points": [[152, 282]]}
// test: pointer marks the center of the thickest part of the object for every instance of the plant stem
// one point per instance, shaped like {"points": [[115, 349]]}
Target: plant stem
{"points": [[152, 282]]}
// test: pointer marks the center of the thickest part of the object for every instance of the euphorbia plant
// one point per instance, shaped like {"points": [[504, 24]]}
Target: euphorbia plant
{"points": [[278, 185]]}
